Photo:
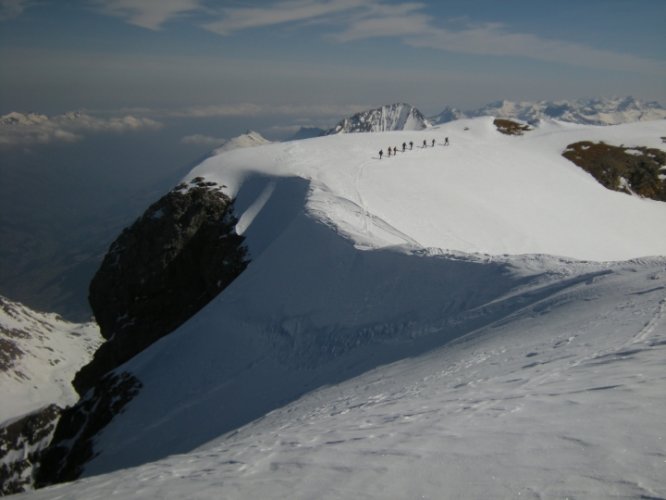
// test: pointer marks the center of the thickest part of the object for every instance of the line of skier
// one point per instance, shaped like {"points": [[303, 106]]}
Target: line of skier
{"points": [[394, 150]]}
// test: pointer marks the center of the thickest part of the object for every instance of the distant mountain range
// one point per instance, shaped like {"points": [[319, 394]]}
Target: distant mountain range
{"points": [[584, 111], [402, 116]]}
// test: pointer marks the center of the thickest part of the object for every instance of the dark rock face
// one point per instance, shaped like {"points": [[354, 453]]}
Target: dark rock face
{"points": [[21, 444], [160, 271], [72, 443], [172, 261]]}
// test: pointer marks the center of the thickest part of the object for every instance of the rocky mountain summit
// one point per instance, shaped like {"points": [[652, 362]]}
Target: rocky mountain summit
{"points": [[398, 116]]}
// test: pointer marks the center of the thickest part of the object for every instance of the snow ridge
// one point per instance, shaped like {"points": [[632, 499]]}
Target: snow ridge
{"points": [[446, 319]]}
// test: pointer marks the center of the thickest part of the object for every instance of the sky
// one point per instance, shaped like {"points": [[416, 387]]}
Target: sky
{"points": [[106, 104], [310, 61]]}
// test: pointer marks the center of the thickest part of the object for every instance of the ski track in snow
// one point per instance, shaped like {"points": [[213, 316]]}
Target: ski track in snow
{"points": [[549, 404]]}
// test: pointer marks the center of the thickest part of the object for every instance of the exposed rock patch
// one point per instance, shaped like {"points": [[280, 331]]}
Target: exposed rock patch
{"points": [[509, 127], [635, 170], [72, 443], [21, 443]]}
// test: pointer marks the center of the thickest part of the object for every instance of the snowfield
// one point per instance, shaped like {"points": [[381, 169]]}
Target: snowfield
{"points": [[48, 352], [479, 320]]}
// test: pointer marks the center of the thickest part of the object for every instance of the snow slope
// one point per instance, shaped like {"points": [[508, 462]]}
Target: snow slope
{"points": [[40, 355], [363, 273], [562, 399]]}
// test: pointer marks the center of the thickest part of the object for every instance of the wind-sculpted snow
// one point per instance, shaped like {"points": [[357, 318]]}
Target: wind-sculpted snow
{"points": [[564, 398]]}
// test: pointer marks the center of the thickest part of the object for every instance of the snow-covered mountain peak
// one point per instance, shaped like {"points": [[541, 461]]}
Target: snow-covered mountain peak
{"points": [[399, 116], [247, 140]]}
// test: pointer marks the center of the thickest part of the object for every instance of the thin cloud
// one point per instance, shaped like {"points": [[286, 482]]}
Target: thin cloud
{"points": [[495, 40], [236, 19], [32, 128], [253, 109], [9, 9], [357, 20], [150, 14], [203, 140]]}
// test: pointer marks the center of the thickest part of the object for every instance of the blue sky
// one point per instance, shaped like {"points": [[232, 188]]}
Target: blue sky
{"points": [[309, 58]]}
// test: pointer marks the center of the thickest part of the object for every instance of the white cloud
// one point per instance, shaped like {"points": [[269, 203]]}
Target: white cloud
{"points": [[239, 18], [496, 40], [32, 128], [204, 140], [150, 14], [9, 9]]}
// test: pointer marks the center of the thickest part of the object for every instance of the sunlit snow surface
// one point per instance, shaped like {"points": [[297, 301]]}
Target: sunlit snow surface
{"points": [[48, 352], [486, 192], [564, 399], [390, 339]]}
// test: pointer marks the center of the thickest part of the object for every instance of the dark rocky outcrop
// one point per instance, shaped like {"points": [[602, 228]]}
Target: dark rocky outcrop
{"points": [[21, 444], [72, 443], [160, 271]]}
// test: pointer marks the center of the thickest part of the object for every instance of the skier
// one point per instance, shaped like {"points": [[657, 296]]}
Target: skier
{"points": [[404, 145], [446, 141], [389, 152], [381, 152], [411, 145], [395, 151], [433, 143], [425, 145]]}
